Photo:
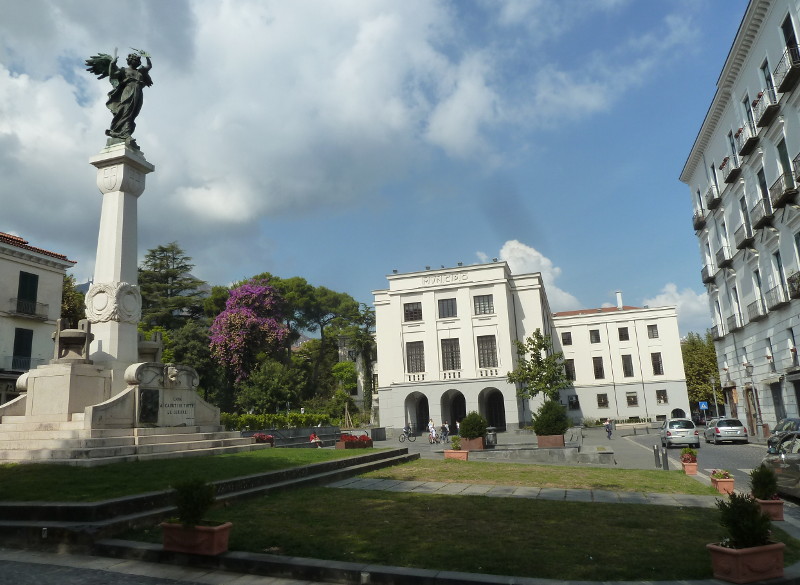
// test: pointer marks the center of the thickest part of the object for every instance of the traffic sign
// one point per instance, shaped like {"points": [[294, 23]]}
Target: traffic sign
{"points": [[703, 405]]}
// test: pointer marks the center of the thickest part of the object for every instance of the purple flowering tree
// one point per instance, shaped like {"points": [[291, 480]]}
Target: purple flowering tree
{"points": [[251, 324]]}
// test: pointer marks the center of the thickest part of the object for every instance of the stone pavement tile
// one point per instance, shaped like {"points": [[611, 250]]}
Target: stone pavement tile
{"points": [[605, 496], [476, 490], [405, 486], [454, 488], [696, 501], [526, 492], [552, 494], [501, 491], [429, 487], [633, 498], [344, 482], [578, 495], [369, 483], [663, 500]]}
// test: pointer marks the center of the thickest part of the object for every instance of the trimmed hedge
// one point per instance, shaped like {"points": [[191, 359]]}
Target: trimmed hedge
{"points": [[252, 422]]}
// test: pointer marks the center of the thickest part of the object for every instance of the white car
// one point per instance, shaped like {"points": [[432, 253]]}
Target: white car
{"points": [[679, 431]]}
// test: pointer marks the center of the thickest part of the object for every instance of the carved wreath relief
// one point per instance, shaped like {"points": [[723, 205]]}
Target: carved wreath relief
{"points": [[116, 301]]}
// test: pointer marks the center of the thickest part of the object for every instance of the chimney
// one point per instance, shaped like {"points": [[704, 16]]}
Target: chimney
{"points": [[619, 300]]}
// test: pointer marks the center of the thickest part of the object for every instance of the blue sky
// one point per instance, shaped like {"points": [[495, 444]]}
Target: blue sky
{"points": [[339, 140]]}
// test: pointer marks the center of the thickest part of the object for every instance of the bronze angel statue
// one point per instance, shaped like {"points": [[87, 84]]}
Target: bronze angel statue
{"points": [[126, 96]]}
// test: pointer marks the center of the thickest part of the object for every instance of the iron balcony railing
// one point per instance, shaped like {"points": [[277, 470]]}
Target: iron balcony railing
{"points": [[734, 323], [761, 214], [793, 283], [731, 169], [723, 256], [796, 167], [717, 333], [765, 107], [707, 274], [28, 308], [713, 198], [788, 69], [19, 363], [743, 236], [783, 191], [698, 220], [746, 139], [776, 297]]}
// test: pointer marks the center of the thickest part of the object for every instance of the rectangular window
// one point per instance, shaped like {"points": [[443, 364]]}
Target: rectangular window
{"points": [[597, 362], [623, 334], [569, 369], [661, 396], [602, 401], [573, 402], [23, 344], [632, 398], [627, 366], [26, 293], [484, 305], [412, 312], [652, 331], [451, 354], [487, 351], [447, 308], [658, 367], [415, 357], [594, 335], [566, 338]]}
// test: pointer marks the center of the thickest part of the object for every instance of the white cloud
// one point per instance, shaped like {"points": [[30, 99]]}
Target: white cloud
{"points": [[523, 259], [693, 312]]}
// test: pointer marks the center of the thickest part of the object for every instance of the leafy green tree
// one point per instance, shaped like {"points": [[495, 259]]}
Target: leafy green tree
{"points": [[539, 368], [270, 386], [170, 294], [190, 345], [700, 366], [346, 376], [73, 304]]}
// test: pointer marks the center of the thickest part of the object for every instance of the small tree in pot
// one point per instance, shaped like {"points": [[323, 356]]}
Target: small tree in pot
{"points": [[473, 431], [764, 487], [550, 423], [190, 534]]}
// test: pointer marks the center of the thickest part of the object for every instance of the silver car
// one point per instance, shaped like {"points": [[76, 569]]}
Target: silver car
{"points": [[679, 431], [783, 457], [719, 430]]}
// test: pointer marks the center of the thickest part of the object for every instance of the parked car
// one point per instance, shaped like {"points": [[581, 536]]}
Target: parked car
{"points": [[783, 457], [725, 429], [783, 426], [679, 431]]}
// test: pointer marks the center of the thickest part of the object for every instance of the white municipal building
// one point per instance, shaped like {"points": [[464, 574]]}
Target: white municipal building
{"points": [[445, 345], [742, 174]]}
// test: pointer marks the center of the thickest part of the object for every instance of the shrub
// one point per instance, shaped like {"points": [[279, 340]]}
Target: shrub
{"points": [[193, 498], [551, 419], [763, 483], [473, 426], [746, 524], [455, 443]]}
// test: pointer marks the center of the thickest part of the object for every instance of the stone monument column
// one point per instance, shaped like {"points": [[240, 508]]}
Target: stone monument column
{"points": [[114, 303]]}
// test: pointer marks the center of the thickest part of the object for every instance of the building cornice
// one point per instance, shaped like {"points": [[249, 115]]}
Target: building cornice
{"points": [[34, 257]]}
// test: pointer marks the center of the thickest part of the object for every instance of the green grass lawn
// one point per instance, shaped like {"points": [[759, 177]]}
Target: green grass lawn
{"points": [[505, 536], [598, 478], [61, 483]]}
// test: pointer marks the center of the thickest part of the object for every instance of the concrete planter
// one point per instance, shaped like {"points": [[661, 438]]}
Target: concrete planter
{"points": [[690, 468], [197, 540], [461, 455], [771, 508], [472, 444], [747, 565], [550, 441], [723, 486]]}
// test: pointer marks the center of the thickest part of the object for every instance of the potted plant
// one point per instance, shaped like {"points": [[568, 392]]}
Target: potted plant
{"points": [[689, 460], [190, 533], [350, 441], [455, 451], [473, 431], [722, 480], [550, 423], [746, 554], [764, 487]]}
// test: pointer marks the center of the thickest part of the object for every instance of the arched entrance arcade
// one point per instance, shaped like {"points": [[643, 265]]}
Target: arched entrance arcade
{"points": [[491, 404], [453, 408], [417, 411]]}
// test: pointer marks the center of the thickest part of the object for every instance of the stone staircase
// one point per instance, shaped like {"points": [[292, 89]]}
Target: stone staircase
{"points": [[23, 440]]}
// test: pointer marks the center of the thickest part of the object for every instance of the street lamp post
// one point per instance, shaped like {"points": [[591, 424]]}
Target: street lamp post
{"points": [[712, 381], [748, 367]]}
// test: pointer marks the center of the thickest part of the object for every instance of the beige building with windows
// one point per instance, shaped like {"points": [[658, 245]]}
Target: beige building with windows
{"points": [[742, 172], [445, 344], [31, 284], [625, 363]]}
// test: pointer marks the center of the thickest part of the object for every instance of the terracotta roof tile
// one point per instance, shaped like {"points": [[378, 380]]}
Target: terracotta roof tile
{"points": [[20, 243]]}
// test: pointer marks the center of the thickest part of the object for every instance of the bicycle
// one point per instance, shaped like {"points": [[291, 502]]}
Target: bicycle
{"points": [[407, 435], [435, 438]]}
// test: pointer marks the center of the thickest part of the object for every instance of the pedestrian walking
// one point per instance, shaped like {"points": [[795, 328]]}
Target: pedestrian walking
{"points": [[607, 426]]}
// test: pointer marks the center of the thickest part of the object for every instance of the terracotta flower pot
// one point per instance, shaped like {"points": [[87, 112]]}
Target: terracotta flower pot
{"points": [[456, 454], [690, 468], [747, 565], [723, 486], [354, 444], [772, 508], [472, 444], [198, 540]]}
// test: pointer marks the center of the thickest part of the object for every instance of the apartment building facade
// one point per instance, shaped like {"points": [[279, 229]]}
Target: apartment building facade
{"points": [[445, 344], [742, 172], [31, 284], [625, 363]]}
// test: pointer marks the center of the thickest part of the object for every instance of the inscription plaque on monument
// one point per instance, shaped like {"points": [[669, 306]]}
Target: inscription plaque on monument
{"points": [[177, 408]]}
